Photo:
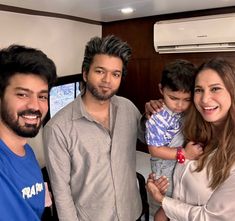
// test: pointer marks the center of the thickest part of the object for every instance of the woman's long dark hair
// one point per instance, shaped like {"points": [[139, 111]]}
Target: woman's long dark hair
{"points": [[221, 143]]}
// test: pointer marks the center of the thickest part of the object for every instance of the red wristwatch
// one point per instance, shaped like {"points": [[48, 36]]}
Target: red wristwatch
{"points": [[180, 155]]}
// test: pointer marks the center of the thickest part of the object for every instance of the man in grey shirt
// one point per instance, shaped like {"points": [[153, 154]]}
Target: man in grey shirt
{"points": [[90, 144]]}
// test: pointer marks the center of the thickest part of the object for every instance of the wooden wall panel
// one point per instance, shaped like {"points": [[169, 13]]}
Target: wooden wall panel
{"points": [[145, 67]]}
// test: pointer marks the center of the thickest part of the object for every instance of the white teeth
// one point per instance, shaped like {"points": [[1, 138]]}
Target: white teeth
{"points": [[209, 108], [30, 116]]}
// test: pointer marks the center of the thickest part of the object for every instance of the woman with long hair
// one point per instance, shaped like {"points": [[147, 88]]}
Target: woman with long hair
{"points": [[204, 189]]}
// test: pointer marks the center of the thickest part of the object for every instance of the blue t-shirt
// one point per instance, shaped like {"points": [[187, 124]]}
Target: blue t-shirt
{"points": [[22, 195]]}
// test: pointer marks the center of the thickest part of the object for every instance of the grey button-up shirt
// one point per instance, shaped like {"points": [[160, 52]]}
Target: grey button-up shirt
{"points": [[93, 170]]}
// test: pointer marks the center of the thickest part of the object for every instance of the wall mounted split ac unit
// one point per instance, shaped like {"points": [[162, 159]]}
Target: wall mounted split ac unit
{"points": [[199, 34]]}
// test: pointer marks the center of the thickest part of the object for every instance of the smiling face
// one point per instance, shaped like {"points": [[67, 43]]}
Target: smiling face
{"points": [[211, 97], [24, 104], [104, 77]]}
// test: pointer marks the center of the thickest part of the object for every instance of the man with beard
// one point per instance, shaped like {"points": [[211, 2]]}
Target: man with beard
{"points": [[90, 145], [26, 75]]}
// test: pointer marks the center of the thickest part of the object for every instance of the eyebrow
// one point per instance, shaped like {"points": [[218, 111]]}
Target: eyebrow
{"points": [[216, 84], [211, 85], [103, 68], [28, 90]]}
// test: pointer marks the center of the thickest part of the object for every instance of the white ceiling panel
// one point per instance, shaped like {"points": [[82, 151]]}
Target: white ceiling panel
{"points": [[109, 10]]}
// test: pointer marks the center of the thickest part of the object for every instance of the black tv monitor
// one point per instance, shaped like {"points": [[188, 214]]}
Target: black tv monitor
{"points": [[65, 90]]}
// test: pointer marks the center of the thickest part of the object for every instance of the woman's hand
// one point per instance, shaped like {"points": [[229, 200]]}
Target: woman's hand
{"points": [[162, 184], [157, 187], [153, 106]]}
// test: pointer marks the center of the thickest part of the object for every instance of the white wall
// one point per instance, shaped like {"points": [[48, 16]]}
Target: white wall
{"points": [[62, 40]]}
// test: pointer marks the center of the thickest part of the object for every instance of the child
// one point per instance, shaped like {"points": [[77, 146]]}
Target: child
{"points": [[163, 129]]}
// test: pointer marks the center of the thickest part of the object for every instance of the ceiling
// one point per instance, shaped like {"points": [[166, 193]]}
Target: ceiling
{"points": [[109, 10]]}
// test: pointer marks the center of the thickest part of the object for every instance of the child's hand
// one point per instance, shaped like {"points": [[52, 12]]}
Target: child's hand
{"points": [[193, 150], [152, 107]]}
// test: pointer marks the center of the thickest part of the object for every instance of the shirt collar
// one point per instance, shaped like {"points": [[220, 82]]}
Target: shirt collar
{"points": [[173, 113], [79, 110]]}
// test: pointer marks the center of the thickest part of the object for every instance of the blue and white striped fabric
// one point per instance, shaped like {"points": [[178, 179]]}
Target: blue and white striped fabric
{"points": [[164, 129]]}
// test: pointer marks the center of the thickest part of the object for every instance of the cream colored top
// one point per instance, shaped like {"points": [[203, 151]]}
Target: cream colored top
{"points": [[194, 201]]}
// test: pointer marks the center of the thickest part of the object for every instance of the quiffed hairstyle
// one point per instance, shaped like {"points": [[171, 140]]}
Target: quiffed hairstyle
{"points": [[109, 45], [18, 59], [178, 76], [219, 152]]}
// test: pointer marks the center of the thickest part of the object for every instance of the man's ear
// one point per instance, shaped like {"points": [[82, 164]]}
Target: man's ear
{"points": [[84, 75]]}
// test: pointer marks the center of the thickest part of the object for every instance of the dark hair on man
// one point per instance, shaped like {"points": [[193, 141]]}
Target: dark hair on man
{"points": [[109, 45], [18, 59], [179, 76]]}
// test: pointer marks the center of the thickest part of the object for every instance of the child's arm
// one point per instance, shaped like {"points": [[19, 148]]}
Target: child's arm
{"points": [[191, 151], [163, 152]]}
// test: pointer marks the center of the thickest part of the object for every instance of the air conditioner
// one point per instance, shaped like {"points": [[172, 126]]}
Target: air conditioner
{"points": [[200, 34]]}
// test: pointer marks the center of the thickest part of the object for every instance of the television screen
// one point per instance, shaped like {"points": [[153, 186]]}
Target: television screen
{"points": [[65, 91], [77, 89], [60, 96]]}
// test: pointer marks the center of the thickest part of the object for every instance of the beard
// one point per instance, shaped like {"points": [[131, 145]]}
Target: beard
{"points": [[27, 130], [99, 95]]}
